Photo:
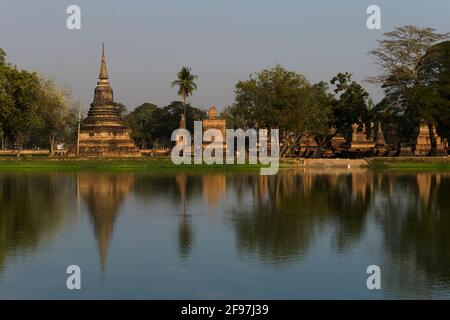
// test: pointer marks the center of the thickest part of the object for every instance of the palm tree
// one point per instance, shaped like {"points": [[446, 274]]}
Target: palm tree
{"points": [[186, 85]]}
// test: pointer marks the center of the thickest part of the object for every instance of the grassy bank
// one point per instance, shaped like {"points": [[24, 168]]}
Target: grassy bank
{"points": [[156, 164], [142, 164], [411, 163]]}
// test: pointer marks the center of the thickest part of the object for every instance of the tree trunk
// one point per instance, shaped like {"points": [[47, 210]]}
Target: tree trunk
{"points": [[52, 144], [326, 141], [432, 140], [289, 140], [185, 111], [20, 142]]}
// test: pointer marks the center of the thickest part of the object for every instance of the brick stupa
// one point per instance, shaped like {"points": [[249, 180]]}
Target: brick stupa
{"points": [[104, 133]]}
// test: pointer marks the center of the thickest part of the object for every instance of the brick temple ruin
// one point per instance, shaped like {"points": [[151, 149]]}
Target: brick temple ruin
{"points": [[213, 122], [422, 143], [103, 132]]}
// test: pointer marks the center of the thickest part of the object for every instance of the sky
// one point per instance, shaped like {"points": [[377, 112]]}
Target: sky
{"points": [[223, 41]]}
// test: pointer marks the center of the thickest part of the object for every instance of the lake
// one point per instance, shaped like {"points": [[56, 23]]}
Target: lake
{"points": [[302, 234]]}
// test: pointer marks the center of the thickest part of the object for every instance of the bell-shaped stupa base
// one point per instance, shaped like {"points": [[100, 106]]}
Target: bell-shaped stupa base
{"points": [[104, 133]]}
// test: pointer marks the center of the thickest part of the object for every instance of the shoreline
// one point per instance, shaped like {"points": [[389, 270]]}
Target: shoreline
{"points": [[164, 163]]}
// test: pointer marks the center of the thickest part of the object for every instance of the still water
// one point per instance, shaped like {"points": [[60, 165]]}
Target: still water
{"points": [[300, 234]]}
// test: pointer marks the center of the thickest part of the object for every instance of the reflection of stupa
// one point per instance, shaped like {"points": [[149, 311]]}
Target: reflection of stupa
{"points": [[214, 188], [103, 194], [104, 134], [425, 183], [361, 185]]}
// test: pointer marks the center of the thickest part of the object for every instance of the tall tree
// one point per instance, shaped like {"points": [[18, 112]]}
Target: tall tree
{"points": [[351, 105], [402, 56], [24, 115], [139, 121], [280, 99], [153, 126], [31, 107], [186, 85], [437, 68], [121, 108], [6, 102], [54, 111]]}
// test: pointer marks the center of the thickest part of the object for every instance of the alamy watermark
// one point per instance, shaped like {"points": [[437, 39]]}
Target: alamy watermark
{"points": [[73, 282], [73, 21], [210, 147], [374, 20], [374, 280]]}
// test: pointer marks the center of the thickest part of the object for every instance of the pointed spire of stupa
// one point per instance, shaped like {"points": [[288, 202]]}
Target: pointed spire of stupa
{"points": [[380, 136], [103, 71]]}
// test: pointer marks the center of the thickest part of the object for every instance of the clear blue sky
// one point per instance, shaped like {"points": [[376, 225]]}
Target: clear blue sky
{"points": [[223, 41]]}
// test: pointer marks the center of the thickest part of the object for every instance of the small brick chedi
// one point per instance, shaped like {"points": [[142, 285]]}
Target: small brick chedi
{"points": [[422, 141], [103, 132], [213, 122]]}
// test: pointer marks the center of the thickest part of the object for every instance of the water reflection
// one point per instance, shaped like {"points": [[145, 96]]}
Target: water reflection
{"points": [[33, 209], [185, 233], [103, 194], [290, 209], [214, 190], [273, 221], [415, 223]]}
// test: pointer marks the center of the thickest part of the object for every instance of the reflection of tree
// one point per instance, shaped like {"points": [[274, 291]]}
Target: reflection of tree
{"points": [[165, 188], [293, 209], [185, 237], [103, 194], [180, 188], [416, 226], [33, 207], [185, 234], [172, 188], [349, 202], [290, 207]]}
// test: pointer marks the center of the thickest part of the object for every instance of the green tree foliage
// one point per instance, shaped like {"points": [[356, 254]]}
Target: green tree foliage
{"points": [[186, 85], [23, 92], [35, 214], [280, 99], [31, 108], [121, 108], [437, 68], [351, 104], [55, 114], [141, 120], [6, 102], [405, 59], [153, 126]]}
